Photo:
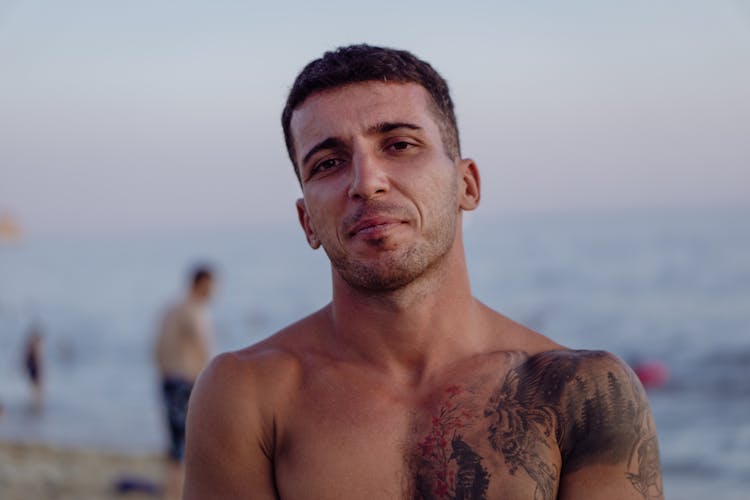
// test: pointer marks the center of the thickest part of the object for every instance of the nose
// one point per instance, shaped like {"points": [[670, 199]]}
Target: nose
{"points": [[369, 179]]}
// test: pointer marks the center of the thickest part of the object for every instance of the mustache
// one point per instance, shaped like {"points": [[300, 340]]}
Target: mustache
{"points": [[373, 209]]}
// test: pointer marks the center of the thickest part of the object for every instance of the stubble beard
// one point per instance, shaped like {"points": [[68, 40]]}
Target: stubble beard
{"points": [[395, 269]]}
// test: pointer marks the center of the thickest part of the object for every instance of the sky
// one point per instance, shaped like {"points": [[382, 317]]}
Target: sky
{"points": [[160, 114]]}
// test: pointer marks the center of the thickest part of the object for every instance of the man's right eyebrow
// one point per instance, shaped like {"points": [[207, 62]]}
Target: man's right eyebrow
{"points": [[385, 127], [328, 143]]}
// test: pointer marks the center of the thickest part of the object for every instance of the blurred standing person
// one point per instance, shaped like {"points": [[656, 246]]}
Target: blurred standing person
{"points": [[184, 346], [33, 363]]}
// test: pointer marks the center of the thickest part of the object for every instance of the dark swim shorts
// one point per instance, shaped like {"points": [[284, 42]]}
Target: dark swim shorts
{"points": [[176, 394], [32, 368]]}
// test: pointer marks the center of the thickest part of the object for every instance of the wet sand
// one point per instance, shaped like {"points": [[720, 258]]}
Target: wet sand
{"points": [[40, 472]]}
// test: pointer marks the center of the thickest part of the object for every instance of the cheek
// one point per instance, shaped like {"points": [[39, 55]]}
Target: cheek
{"points": [[438, 191], [323, 216]]}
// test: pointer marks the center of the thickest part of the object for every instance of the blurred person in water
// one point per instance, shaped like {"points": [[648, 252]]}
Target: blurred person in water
{"points": [[183, 347], [33, 364]]}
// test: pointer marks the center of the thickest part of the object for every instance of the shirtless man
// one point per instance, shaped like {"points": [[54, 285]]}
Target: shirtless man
{"points": [[183, 348], [406, 386]]}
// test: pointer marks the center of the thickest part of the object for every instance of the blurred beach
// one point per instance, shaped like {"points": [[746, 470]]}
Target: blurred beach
{"points": [[664, 286], [31, 472]]}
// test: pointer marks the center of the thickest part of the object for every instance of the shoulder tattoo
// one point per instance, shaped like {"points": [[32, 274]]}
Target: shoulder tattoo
{"points": [[593, 407]]}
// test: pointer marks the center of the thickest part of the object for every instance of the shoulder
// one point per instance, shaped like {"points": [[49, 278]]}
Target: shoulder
{"points": [[572, 379], [603, 412], [175, 315], [565, 379], [507, 335], [598, 411], [255, 375], [598, 405], [258, 378], [575, 365], [236, 408]]}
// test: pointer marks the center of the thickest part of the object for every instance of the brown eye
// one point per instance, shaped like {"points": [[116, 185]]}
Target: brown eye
{"points": [[401, 146], [326, 165]]}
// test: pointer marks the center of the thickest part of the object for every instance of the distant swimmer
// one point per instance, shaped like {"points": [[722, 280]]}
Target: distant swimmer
{"points": [[33, 365], [406, 386], [183, 348]]}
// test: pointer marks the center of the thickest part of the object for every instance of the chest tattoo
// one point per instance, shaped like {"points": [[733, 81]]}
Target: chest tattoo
{"points": [[551, 414]]}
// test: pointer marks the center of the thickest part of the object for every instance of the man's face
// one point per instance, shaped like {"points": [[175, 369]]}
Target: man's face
{"points": [[380, 194], [204, 289]]}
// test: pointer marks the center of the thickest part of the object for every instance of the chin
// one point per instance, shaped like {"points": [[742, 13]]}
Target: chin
{"points": [[377, 284], [387, 273], [384, 269]]}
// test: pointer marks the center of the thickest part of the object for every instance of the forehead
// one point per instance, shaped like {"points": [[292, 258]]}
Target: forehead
{"points": [[354, 108]]}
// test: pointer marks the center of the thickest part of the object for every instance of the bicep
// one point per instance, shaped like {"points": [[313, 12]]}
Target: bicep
{"points": [[610, 449], [227, 451], [638, 477], [605, 482]]}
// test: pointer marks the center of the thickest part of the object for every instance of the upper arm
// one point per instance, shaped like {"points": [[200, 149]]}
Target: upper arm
{"points": [[608, 443], [229, 442]]}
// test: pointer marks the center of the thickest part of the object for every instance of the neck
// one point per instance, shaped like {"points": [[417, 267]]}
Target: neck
{"points": [[196, 299], [414, 330]]}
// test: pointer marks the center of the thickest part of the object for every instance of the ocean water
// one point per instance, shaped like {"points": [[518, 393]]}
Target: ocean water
{"points": [[666, 285]]}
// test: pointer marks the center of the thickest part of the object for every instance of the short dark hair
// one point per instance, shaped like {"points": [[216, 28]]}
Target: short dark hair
{"points": [[199, 273], [364, 63]]}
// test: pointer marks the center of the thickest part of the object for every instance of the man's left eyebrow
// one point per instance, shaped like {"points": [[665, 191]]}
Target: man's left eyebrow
{"points": [[329, 143], [385, 127]]}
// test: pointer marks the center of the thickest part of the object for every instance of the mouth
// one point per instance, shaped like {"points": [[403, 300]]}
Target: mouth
{"points": [[374, 227]]}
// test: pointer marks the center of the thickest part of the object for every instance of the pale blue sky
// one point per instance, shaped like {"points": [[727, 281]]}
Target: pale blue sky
{"points": [[131, 114]]}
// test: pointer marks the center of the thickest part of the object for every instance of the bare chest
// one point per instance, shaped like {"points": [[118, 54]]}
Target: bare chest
{"points": [[466, 440]]}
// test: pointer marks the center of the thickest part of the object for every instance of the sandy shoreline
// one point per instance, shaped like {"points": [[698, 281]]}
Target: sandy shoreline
{"points": [[41, 472]]}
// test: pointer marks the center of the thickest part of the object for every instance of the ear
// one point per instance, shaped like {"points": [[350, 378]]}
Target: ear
{"points": [[304, 221], [469, 184]]}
